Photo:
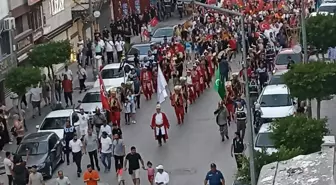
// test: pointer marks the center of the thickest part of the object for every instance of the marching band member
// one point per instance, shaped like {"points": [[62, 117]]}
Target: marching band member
{"points": [[205, 74], [190, 85], [177, 102], [146, 82], [183, 81], [154, 79], [196, 80], [200, 73], [115, 107], [229, 101], [160, 125]]}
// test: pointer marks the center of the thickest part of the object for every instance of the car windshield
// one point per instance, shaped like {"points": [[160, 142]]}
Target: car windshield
{"points": [[35, 148], [282, 59], [54, 123], [264, 140], [275, 100], [112, 73], [168, 32], [276, 79], [140, 49], [329, 9], [91, 97]]}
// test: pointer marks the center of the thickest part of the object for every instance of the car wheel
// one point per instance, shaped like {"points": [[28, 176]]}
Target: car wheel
{"points": [[50, 172]]}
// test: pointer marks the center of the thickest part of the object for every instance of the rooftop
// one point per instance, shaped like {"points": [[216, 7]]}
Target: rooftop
{"points": [[313, 169]]}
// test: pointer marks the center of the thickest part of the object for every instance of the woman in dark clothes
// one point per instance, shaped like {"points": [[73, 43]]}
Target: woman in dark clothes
{"points": [[4, 133]]}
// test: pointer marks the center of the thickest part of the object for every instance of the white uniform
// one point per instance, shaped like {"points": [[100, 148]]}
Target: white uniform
{"points": [[159, 121], [83, 124]]}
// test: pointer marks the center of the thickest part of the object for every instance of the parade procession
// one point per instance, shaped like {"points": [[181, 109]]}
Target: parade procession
{"points": [[213, 76]]}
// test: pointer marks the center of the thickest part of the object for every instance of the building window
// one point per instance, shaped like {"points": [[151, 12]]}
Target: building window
{"points": [[19, 25], [35, 19], [4, 44]]}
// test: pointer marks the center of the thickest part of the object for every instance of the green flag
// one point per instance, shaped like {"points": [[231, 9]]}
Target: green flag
{"points": [[219, 85]]}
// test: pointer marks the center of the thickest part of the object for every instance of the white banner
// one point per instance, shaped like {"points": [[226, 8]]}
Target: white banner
{"points": [[161, 86]]}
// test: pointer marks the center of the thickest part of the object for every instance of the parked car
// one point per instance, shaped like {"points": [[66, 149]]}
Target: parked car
{"points": [[263, 139], [281, 60], [160, 33], [326, 8], [45, 150], [55, 122], [114, 74], [275, 102], [141, 49]]}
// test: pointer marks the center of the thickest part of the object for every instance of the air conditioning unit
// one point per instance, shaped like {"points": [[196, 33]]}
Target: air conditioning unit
{"points": [[9, 23]]}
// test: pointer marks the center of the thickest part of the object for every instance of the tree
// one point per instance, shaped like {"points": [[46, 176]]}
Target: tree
{"points": [[321, 32], [314, 80], [261, 159], [48, 54], [299, 132], [20, 78]]}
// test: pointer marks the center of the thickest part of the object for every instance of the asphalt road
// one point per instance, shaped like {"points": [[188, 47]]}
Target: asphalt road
{"points": [[189, 151]]}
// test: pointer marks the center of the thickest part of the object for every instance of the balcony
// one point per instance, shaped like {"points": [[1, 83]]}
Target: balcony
{"points": [[24, 42]]}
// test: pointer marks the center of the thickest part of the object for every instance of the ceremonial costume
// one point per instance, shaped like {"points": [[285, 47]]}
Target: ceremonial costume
{"points": [[115, 108], [190, 85], [155, 73], [160, 125], [177, 102], [201, 78], [196, 80], [146, 83]]}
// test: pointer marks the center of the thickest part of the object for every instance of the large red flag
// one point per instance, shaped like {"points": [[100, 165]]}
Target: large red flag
{"points": [[154, 22], [103, 94]]}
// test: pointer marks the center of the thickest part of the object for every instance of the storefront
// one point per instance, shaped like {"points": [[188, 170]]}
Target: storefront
{"points": [[58, 20]]}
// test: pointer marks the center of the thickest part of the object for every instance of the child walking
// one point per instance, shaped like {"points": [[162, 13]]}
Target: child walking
{"points": [[150, 173], [121, 180], [128, 110]]}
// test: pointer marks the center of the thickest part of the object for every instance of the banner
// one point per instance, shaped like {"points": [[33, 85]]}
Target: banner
{"points": [[161, 86]]}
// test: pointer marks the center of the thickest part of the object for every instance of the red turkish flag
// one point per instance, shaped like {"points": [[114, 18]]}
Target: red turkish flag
{"points": [[103, 94], [154, 22], [264, 26]]}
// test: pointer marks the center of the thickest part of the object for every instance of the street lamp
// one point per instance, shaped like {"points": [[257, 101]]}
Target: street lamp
{"points": [[249, 112]]}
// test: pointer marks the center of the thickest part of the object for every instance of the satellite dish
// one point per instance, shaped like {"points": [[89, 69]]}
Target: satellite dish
{"points": [[297, 49], [96, 14]]}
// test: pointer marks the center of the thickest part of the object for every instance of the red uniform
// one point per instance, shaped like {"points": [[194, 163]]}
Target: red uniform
{"points": [[205, 76], [115, 110], [229, 103], [191, 89], [177, 103], [158, 126], [155, 73], [201, 79], [196, 82], [146, 83], [210, 66]]}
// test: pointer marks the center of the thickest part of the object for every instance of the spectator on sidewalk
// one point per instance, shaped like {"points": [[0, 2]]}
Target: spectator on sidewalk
{"points": [[15, 100], [35, 99], [18, 129], [119, 44], [68, 72], [9, 167], [67, 88], [5, 138], [82, 75], [45, 85], [58, 88]]}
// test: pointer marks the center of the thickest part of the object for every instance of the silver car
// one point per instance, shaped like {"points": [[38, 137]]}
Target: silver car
{"points": [[160, 33], [141, 49]]}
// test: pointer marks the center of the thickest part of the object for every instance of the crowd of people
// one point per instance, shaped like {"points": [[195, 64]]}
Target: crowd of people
{"points": [[208, 43]]}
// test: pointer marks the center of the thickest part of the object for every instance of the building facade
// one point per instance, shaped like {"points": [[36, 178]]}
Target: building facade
{"points": [[5, 51]]}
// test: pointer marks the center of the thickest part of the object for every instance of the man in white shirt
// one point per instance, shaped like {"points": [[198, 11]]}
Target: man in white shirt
{"points": [[161, 176], [82, 75], [35, 99], [68, 72], [106, 151], [110, 48], [83, 122], [61, 179], [76, 146], [8, 167], [105, 128], [119, 44]]}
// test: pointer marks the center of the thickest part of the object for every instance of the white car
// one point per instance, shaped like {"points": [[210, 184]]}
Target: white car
{"points": [[275, 102], [55, 122], [113, 75], [263, 139], [160, 33], [326, 8]]}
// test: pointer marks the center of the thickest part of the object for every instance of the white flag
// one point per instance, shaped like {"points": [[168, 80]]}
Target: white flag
{"points": [[161, 86]]}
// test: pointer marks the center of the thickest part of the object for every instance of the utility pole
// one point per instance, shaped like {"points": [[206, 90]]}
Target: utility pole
{"points": [[93, 48], [249, 110], [305, 48]]}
